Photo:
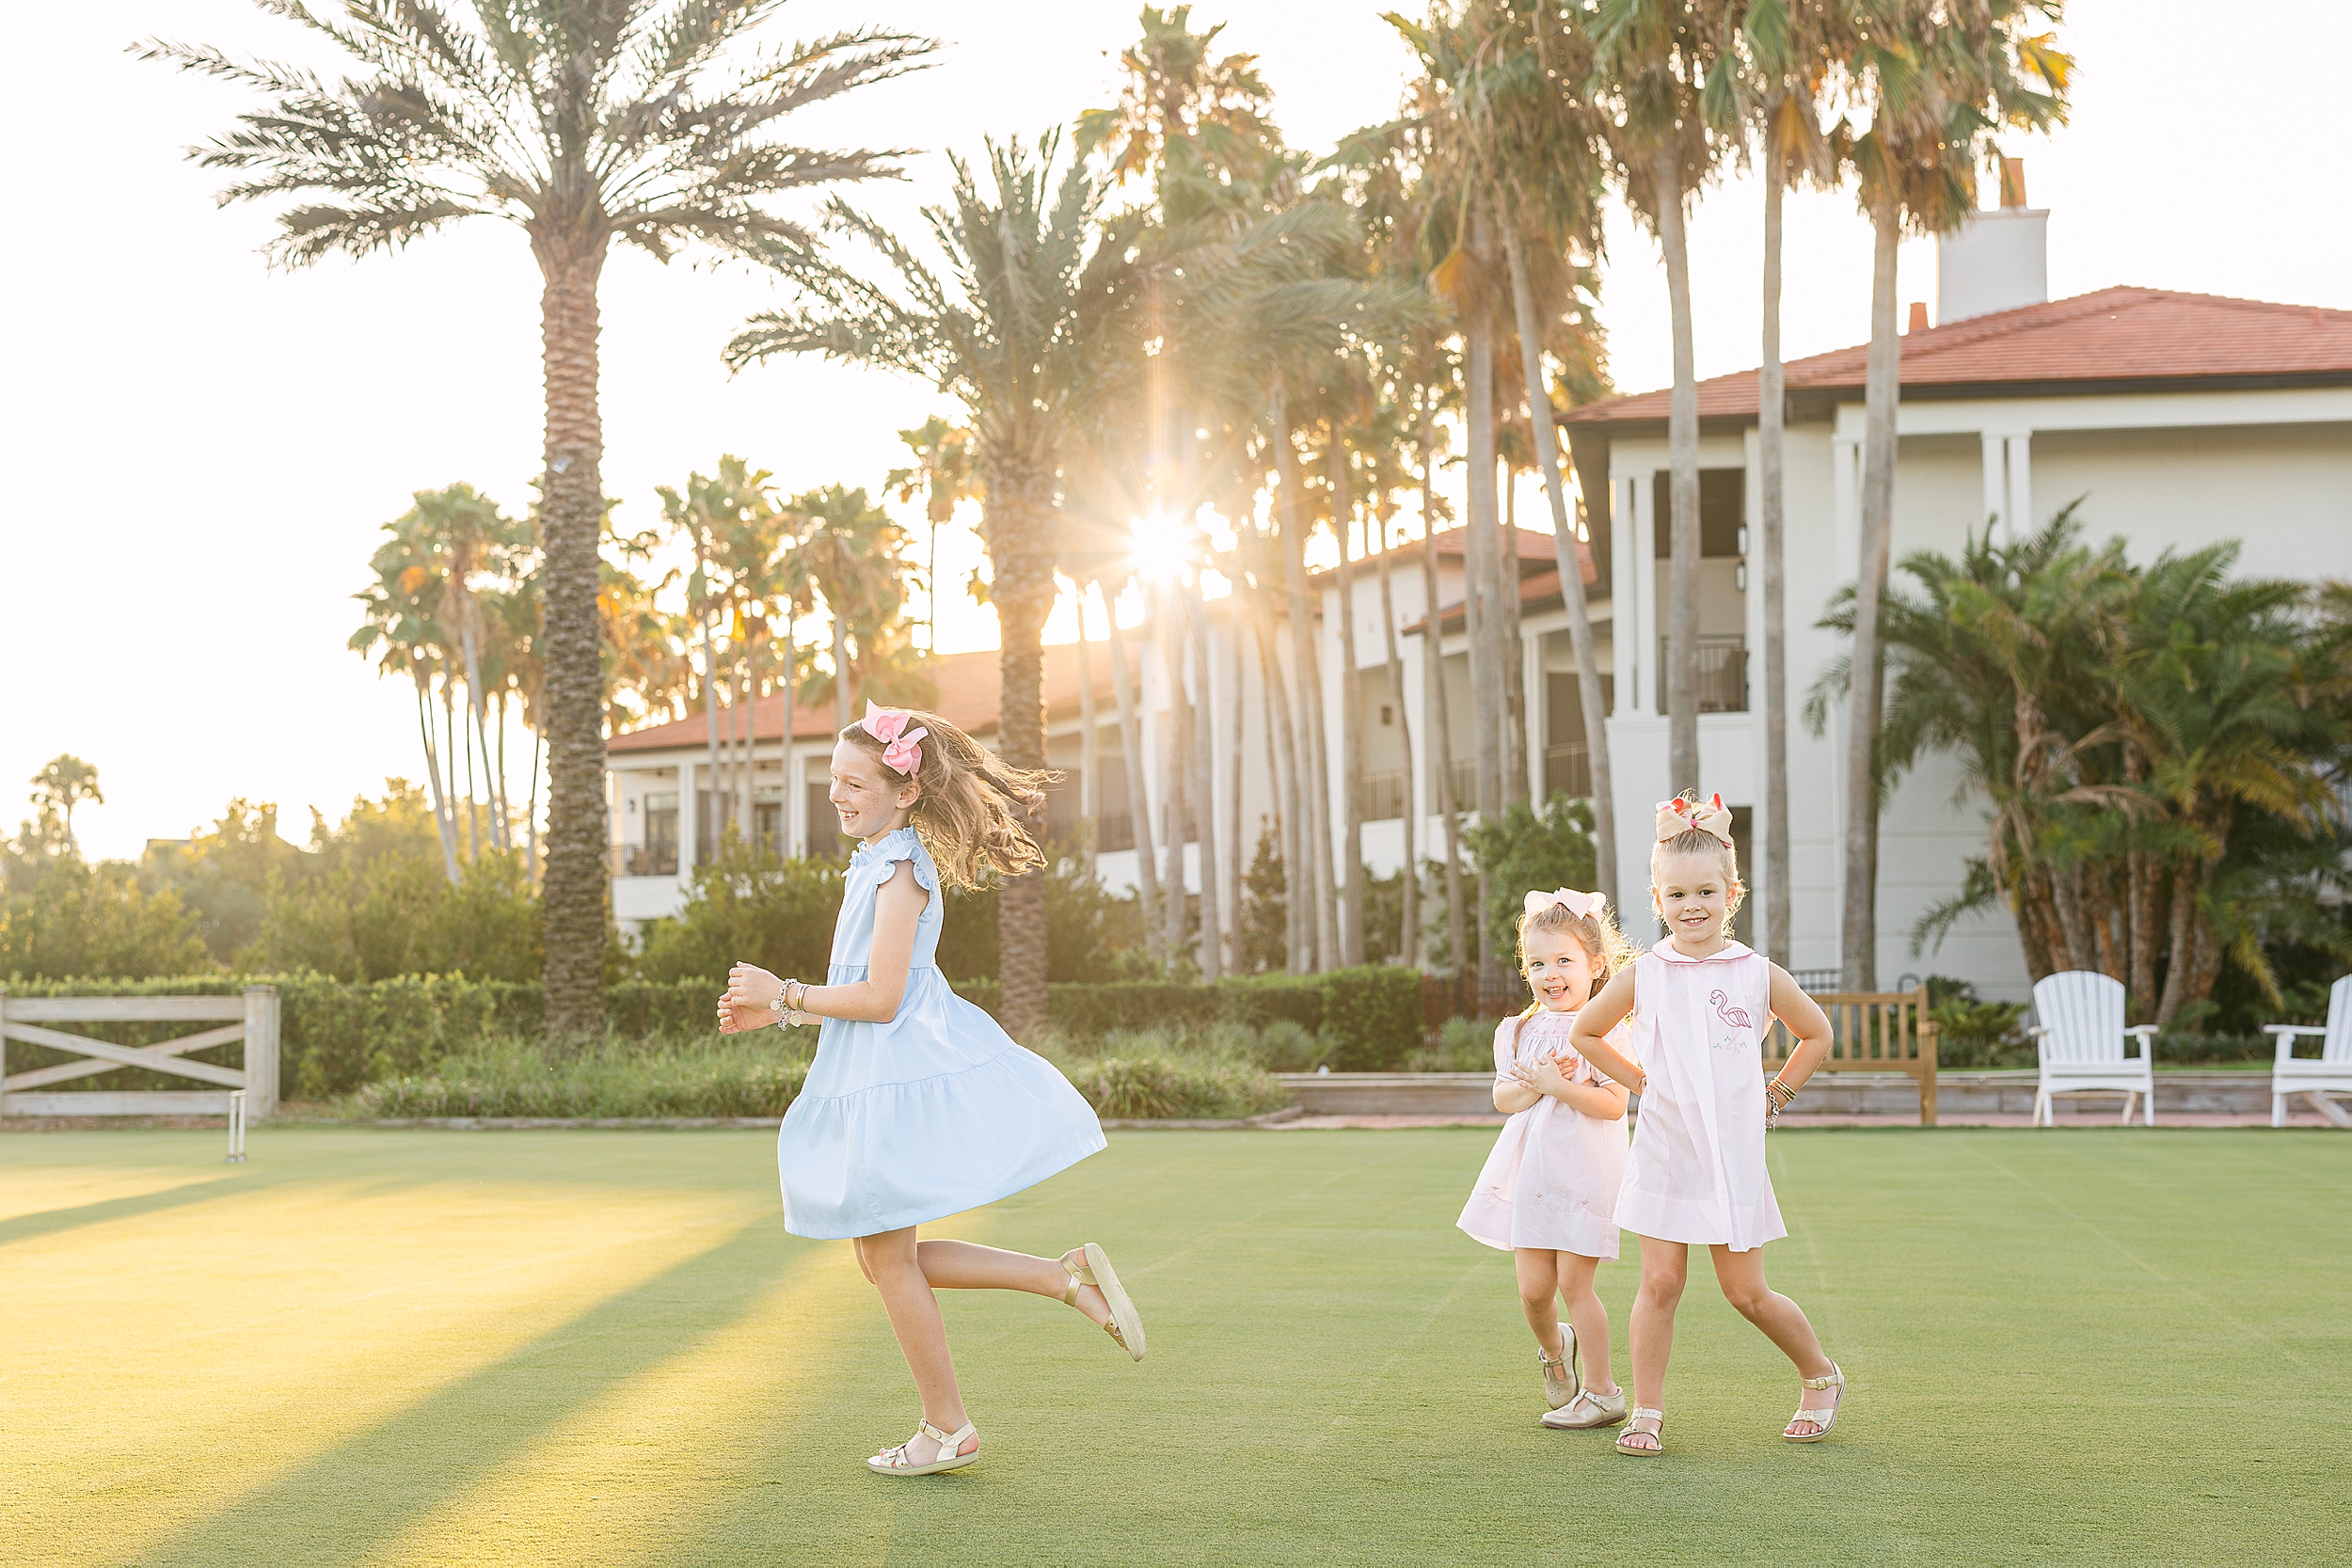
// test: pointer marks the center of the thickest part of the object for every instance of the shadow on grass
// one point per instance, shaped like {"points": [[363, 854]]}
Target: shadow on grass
{"points": [[347, 1503], [49, 1222]]}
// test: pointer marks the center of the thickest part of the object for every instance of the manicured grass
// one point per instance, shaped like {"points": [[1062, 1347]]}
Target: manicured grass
{"points": [[371, 1346]]}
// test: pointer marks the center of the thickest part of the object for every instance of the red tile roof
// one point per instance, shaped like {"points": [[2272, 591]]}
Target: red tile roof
{"points": [[970, 697], [2120, 335]]}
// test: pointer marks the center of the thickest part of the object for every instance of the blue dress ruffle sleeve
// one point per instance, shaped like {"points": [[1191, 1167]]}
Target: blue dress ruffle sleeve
{"points": [[934, 1112]]}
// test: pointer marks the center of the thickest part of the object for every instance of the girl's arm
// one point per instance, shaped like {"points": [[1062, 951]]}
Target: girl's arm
{"points": [[1513, 1093], [1805, 1021], [1601, 1101], [898, 905], [1588, 1035]]}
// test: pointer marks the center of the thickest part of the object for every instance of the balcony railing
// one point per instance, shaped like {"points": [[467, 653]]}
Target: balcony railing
{"points": [[1384, 796], [1722, 674], [1569, 771], [636, 860]]}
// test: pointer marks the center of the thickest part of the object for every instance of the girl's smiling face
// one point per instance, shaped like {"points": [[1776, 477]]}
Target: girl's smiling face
{"points": [[868, 802], [1559, 970], [1693, 898]]}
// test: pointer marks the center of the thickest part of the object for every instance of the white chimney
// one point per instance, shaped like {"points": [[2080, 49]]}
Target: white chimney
{"points": [[1996, 261]]}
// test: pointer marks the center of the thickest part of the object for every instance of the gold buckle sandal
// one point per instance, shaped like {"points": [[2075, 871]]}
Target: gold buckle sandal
{"points": [[1825, 1419], [1643, 1413], [1559, 1391], [893, 1462], [1126, 1325]]}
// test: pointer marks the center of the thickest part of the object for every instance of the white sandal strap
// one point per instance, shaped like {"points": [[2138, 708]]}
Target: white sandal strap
{"points": [[1643, 1413], [1836, 1379]]}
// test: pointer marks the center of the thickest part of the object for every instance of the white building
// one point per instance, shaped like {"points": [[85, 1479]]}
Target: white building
{"points": [[2176, 420]]}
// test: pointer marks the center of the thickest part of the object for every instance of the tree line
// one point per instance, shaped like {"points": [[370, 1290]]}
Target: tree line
{"points": [[1169, 312]]}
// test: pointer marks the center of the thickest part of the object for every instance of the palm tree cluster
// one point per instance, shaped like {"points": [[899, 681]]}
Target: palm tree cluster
{"points": [[2165, 748], [1176, 316], [454, 602]]}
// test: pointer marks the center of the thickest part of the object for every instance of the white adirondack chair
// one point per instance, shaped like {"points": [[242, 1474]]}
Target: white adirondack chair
{"points": [[2333, 1072], [2080, 1037]]}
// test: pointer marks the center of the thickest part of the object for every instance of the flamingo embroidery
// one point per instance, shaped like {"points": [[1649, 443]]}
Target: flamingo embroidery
{"points": [[1736, 1017]]}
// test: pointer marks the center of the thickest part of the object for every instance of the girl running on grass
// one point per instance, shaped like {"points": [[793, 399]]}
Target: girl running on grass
{"points": [[918, 1105], [1548, 1191], [1701, 1004]]}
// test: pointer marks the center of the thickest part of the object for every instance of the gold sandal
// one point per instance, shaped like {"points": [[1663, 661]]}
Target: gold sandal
{"points": [[1655, 1431], [1825, 1419], [893, 1461], [1126, 1324]]}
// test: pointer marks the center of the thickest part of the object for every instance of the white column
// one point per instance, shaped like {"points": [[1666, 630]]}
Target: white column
{"points": [[1846, 491], [690, 826], [1644, 564], [1996, 511], [793, 829], [1625, 608], [1539, 716], [2020, 512]]}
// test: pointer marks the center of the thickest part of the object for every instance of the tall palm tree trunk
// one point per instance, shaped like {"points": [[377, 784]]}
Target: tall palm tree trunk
{"points": [[1289, 812], [1440, 704], [1858, 937], [839, 615], [1770, 448], [1176, 798], [1409, 917], [1570, 562], [1090, 763], [1351, 715], [573, 900], [441, 824], [1307, 670], [1196, 638], [1239, 706], [1138, 788], [1021, 521], [1510, 653], [1682, 448], [795, 790], [709, 830]]}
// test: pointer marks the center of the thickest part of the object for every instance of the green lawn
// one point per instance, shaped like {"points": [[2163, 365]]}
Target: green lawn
{"points": [[407, 1348]]}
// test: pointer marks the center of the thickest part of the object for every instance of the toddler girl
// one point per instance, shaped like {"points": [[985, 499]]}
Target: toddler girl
{"points": [[918, 1105], [1701, 1004], [1550, 1189]]}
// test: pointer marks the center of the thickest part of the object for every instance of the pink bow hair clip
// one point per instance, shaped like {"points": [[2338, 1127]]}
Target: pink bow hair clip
{"points": [[1585, 906], [1681, 815], [889, 725]]}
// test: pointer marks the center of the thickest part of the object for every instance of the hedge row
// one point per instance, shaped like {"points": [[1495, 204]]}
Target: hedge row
{"points": [[336, 1035], [1372, 1015]]}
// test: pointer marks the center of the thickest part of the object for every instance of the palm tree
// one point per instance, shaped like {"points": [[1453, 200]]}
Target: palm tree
{"points": [[1772, 72], [648, 122], [462, 537], [943, 475], [710, 514], [64, 782], [404, 630], [851, 552], [1536, 143], [1650, 58], [1032, 330], [1939, 81]]}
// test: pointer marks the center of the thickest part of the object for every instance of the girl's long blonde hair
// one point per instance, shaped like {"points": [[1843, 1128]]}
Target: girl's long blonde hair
{"points": [[971, 814], [1596, 933]]}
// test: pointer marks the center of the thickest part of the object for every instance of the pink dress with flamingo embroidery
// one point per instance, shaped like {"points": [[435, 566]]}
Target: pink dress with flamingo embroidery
{"points": [[1697, 1173], [1552, 1178]]}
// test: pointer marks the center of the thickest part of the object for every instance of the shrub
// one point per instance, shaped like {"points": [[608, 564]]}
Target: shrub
{"points": [[1970, 1034], [1156, 1085], [512, 1079], [73, 919], [1464, 1045], [1368, 1019]]}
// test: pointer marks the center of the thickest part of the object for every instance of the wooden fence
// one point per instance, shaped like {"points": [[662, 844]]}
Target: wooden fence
{"points": [[251, 1019], [1873, 1032]]}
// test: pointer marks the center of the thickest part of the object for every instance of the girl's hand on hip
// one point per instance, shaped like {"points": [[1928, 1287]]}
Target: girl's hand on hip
{"points": [[751, 988]]}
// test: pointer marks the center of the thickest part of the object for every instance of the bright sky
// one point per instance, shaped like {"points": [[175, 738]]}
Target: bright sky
{"points": [[201, 452]]}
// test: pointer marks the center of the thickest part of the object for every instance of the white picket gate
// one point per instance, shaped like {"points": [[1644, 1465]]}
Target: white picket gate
{"points": [[251, 1019]]}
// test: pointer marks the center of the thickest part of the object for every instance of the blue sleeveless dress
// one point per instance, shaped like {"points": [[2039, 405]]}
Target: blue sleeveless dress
{"points": [[934, 1112]]}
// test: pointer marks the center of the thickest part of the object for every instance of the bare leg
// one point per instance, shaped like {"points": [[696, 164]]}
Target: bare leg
{"points": [[889, 1261], [1588, 1317], [969, 1266], [1539, 1282], [1664, 1267], [1741, 1276]]}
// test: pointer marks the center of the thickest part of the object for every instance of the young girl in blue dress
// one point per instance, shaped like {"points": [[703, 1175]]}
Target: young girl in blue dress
{"points": [[917, 1104]]}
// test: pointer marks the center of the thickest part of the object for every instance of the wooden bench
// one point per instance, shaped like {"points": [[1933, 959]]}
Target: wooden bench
{"points": [[1872, 1032]]}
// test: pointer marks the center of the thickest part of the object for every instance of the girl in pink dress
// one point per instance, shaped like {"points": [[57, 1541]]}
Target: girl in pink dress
{"points": [[1701, 1004], [1548, 1195]]}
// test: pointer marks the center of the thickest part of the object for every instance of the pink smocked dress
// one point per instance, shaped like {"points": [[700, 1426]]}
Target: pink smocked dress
{"points": [[1697, 1173], [1552, 1178]]}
